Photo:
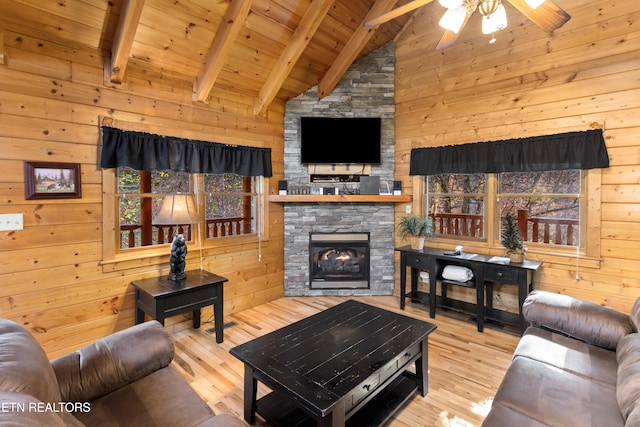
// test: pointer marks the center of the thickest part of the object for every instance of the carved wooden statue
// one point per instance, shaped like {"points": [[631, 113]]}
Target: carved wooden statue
{"points": [[176, 260]]}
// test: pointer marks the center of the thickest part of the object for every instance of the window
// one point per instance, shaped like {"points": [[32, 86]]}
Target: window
{"points": [[139, 195], [547, 204], [455, 203], [230, 202], [230, 205]]}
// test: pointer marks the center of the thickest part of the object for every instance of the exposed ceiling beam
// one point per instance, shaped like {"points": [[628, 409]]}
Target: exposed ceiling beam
{"points": [[226, 35], [392, 14], [123, 40], [1, 47], [351, 50], [301, 37]]}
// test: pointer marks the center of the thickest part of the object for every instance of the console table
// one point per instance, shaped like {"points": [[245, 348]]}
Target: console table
{"points": [[160, 297], [486, 272]]}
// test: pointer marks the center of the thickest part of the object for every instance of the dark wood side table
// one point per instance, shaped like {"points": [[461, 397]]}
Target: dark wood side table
{"points": [[160, 297]]}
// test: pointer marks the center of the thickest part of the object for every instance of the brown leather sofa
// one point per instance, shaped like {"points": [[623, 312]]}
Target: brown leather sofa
{"points": [[578, 364], [121, 380]]}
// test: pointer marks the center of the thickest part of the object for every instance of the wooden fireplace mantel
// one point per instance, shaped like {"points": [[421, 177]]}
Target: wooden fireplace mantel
{"points": [[342, 198]]}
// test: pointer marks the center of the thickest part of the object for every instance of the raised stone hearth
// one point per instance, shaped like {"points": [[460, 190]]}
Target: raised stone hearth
{"points": [[366, 90]]}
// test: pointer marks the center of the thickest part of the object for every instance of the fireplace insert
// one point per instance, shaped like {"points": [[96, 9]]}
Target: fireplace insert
{"points": [[339, 260]]}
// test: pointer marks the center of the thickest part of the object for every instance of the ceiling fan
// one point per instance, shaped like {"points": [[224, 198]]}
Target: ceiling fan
{"points": [[544, 13]]}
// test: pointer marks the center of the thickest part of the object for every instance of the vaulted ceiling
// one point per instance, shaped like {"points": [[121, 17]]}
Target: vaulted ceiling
{"points": [[261, 49]]}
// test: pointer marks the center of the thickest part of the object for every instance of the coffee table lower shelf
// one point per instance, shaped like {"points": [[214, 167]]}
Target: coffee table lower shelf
{"points": [[282, 412]]}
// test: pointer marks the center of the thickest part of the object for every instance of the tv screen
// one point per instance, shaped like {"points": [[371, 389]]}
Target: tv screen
{"points": [[331, 140]]}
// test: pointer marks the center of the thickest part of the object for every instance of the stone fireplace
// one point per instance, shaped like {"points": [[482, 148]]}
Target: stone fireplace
{"points": [[366, 90]]}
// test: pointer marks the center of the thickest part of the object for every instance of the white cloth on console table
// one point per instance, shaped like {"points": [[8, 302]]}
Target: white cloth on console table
{"points": [[457, 273]]}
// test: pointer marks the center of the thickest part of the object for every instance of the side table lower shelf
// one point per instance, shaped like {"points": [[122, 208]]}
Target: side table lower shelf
{"points": [[451, 304], [280, 411], [490, 314]]}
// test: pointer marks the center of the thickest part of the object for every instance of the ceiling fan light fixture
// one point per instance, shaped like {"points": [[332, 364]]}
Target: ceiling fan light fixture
{"points": [[453, 19], [452, 4], [534, 3], [495, 22], [487, 7]]}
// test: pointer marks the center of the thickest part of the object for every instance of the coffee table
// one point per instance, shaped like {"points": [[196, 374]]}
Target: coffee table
{"points": [[347, 365]]}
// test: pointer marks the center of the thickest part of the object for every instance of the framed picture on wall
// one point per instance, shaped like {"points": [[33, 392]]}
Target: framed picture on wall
{"points": [[52, 180]]}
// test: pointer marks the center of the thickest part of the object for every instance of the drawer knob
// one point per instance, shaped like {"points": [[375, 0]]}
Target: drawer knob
{"points": [[407, 354], [499, 273], [367, 387]]}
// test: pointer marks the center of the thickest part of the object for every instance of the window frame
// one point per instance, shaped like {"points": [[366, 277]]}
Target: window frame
{"points": [[484, 196], [115, 259], [588, 254]]}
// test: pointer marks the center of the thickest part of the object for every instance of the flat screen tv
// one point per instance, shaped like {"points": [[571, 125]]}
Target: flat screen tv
{"points": [[343, 140]]}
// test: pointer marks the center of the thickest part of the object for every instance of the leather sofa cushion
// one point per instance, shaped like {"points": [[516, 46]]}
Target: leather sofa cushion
{"points": [[628, 390], [576, 318], [571, 355], [113, 362], [556, 397], [24, 366], [173, 403], [502, 416]]}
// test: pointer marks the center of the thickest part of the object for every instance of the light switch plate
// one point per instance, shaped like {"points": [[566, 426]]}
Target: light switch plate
{"points": [[10, 222]]}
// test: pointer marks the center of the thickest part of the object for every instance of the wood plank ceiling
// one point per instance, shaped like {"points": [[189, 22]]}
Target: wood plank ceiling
{"points": [[260, 49]]}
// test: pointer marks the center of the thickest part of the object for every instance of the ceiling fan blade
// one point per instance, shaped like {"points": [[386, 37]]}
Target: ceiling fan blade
{"points": [[449, 37], [547, 16], [401, 10]]}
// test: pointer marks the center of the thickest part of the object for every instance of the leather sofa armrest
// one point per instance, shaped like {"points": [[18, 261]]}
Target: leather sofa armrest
{"points": [[113, 362], [583, 320]]}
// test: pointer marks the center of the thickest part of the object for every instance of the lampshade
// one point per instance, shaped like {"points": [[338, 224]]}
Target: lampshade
{"points": [[534, 3], [177, 209], [495, 21], [453, 19]]}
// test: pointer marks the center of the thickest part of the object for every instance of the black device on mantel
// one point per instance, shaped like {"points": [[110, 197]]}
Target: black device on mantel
{"points": [[341, 140]]}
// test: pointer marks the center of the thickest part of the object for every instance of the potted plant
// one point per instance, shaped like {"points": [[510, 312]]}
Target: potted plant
{"points": [[416, 229], [511, 239]]}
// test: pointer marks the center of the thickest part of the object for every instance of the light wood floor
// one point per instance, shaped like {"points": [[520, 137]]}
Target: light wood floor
{"points": [[465, 367]]}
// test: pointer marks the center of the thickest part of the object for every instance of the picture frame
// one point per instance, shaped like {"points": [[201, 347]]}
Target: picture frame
{"points": [[52, 180]]}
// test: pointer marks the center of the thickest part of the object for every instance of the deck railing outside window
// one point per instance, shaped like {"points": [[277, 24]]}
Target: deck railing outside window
{"points": [[558, 231]]}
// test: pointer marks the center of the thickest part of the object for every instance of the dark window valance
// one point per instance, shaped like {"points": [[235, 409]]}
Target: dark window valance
{"points": [[143, 151], [572, 150]]}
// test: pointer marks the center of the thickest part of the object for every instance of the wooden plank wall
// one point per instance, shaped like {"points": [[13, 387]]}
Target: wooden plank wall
{"points": [[51, 101], [586, 75]]}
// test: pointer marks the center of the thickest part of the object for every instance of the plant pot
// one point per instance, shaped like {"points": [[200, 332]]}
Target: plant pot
{"points": [[516, 257], [417, 242]]}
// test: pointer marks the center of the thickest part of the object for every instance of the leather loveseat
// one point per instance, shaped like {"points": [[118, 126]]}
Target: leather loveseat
{"points": [[578, 364], [123, 379]]}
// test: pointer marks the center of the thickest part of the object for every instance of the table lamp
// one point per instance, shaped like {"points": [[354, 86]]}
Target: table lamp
{"points": [[177, 209]]}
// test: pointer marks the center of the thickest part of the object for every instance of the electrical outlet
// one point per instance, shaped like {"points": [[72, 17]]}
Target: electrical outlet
{"points": [[10, 222], [407, 209]]}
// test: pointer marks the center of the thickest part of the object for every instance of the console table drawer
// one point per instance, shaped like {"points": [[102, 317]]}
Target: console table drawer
{"points": [[417, 261], [496, 273]]}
